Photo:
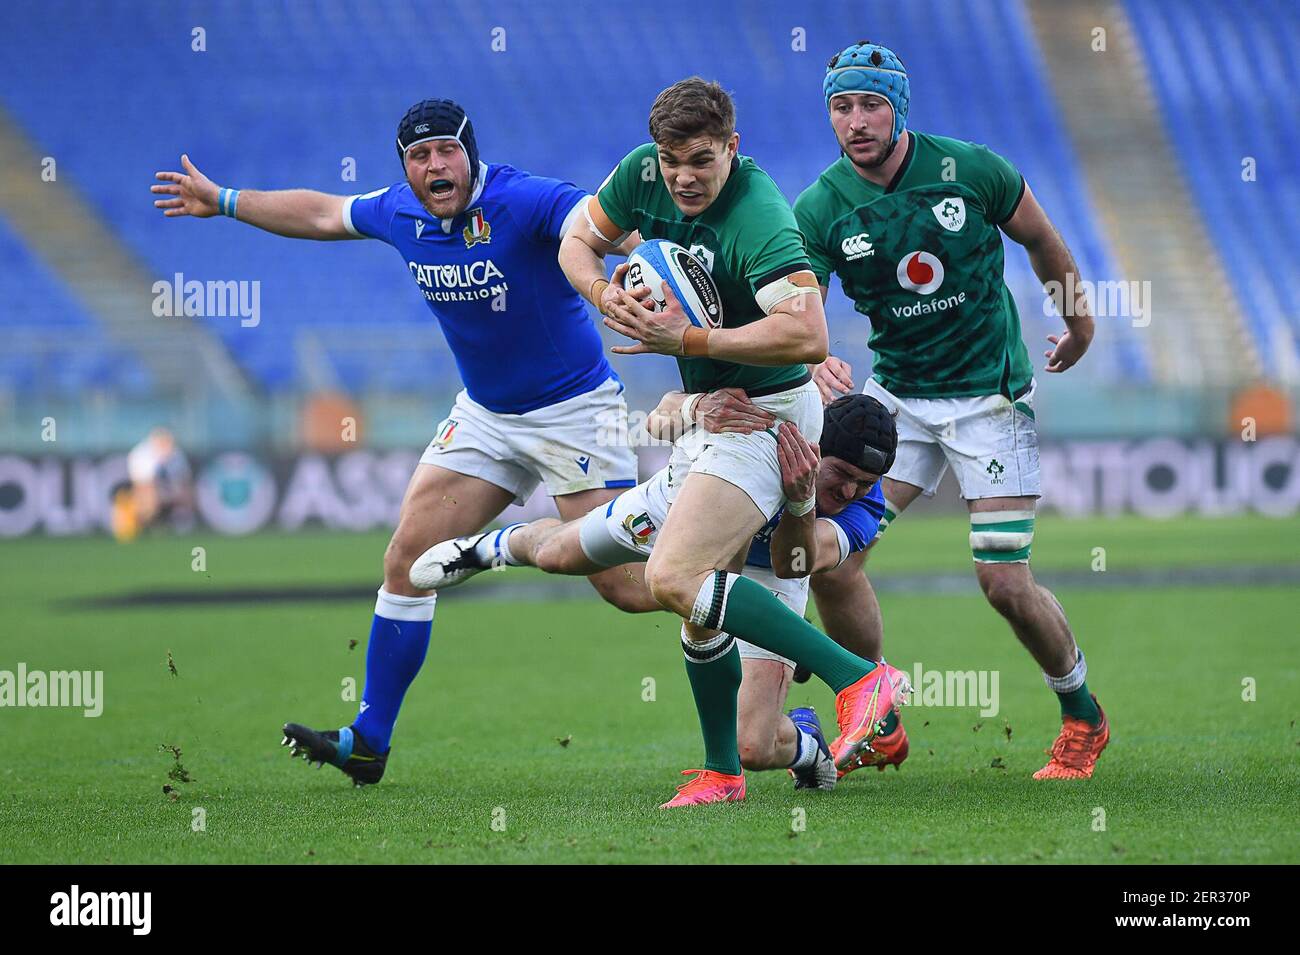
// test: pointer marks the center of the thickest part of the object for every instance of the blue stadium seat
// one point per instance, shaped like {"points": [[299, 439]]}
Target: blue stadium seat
{"points": [[1224, 74], [52, 348], [288, 94]]}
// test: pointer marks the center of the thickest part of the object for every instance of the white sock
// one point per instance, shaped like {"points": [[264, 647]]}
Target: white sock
{"points": [[805, 750], [494, 548], [1072, 680]]}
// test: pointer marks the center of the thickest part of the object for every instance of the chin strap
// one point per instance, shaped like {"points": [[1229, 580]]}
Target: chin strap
{"points": [[888, 152]]}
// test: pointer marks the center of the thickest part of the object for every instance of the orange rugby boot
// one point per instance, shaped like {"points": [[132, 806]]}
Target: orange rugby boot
{"points": [[707, 786], [1075, 752], [860, 710], [889, 750]]}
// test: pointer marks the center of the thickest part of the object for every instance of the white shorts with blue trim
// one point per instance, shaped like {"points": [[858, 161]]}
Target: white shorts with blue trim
{"points": [[574, 445]]}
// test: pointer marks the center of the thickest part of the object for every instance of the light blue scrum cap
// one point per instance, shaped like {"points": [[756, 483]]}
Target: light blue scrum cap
{"points": [[868, 67]]}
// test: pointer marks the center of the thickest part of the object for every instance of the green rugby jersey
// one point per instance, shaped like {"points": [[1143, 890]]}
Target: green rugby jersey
{"points": [[746, 238], [922, 259]]}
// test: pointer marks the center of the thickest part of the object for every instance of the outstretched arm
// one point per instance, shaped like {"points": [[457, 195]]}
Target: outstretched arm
{"points": [[296, 213]]}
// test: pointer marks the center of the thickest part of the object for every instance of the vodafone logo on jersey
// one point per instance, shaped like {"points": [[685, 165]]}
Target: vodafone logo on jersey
{"points": [[920, 272]]}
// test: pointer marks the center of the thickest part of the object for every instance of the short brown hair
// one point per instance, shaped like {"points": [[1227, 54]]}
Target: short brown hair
{"points": [[690, 108]]}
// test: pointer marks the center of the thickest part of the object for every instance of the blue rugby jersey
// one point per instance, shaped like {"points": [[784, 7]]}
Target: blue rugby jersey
{"points": [[859, 521], [519, 333]]}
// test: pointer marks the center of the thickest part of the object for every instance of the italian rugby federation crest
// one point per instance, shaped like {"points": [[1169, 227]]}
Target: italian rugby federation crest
{"points": [[951, 213], [477, 230], [446, 431], [640, 527]]}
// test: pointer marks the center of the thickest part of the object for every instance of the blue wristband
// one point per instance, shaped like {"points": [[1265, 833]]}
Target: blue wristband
{"points": [[228, 201]]}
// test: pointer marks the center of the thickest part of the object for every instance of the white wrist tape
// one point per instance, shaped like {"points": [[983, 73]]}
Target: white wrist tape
{"points": [[688, 408], [800, 508]]}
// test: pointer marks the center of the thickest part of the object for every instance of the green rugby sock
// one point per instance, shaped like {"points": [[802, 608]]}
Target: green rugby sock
{"points": [[1079, 704], [751, 612], [890, 722], [1072, 690], [714, 671]]}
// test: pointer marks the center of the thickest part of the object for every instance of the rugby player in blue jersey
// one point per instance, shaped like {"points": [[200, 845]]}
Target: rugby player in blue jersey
{"points": [[842, 477], [541, 404]]}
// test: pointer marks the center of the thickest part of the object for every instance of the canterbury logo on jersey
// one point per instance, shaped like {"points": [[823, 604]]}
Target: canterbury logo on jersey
{"points": [[857, 247]]}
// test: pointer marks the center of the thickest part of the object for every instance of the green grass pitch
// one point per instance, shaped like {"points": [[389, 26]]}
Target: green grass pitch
{"points": [[1194, 773]]}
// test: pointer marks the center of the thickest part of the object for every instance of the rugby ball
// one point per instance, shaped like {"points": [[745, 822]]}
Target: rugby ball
{"points": [[657, 261]]}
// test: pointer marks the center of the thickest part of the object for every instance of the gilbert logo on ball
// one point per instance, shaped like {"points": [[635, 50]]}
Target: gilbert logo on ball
{"points": [[920, 272], [657, 261]]}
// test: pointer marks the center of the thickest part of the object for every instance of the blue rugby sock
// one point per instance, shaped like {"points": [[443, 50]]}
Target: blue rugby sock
{"points": [[399, 640]]}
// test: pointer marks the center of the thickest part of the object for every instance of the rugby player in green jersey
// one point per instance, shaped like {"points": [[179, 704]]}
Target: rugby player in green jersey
{"points": [[912, 224], [691, 186]]}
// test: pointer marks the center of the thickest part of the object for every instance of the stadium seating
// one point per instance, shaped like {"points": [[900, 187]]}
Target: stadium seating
{"points": [[50, 346], [299, 94], [1224, 74]]}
